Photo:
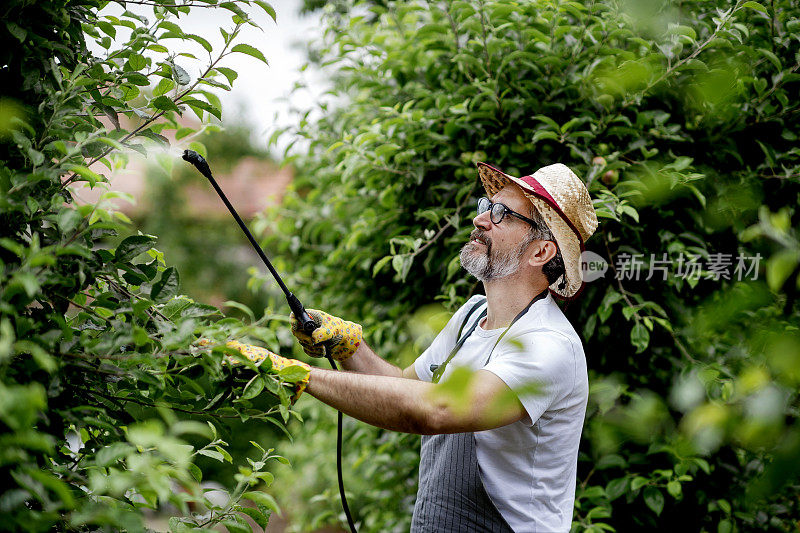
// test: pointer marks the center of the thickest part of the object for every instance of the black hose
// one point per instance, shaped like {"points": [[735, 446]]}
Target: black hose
{"points": [[340, 423]]}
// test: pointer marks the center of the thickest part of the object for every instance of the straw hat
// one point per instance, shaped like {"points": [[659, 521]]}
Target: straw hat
{"points": [[564, 203]]}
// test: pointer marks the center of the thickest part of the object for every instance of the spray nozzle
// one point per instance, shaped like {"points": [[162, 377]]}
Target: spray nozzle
{"points": [[198, 161]]}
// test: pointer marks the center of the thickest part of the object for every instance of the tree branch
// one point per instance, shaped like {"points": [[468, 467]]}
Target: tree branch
{"points": [[443, 228], [158, 115]]}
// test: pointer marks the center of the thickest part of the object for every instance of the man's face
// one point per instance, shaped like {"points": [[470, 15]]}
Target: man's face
{"points": [[495, 251]]}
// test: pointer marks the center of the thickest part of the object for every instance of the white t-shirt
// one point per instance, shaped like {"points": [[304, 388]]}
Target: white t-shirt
{"points": [[528, 467]]}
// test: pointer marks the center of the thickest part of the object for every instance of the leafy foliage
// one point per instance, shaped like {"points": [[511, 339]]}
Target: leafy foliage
{"points": [[107, 404], [682, 119]]}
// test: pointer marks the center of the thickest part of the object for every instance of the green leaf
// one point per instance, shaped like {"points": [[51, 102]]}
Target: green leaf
{"points": [[108, 455], [630, 211], [58, 487], [549, 121], [167, 286], [231, 6], [225, 454], [253, 388], [213, 454], [268, 8], [68, 219], [616, 488], [136, 62], [197, 474], [36, 157], [177, 525], [198, 147], [145, 434], [780, 266], [196, 104], [262, 498], [402, 264], [268, 477], [544, 134], [196, 309], [237, 527], [171, 27], [150, 134], [184, 132], [654, 499], [132, 246], [200, 40], [293, 373], [756, 6], [251, 51], [640, 337], [140, 336], [19, 33], [257, 516], [674, 488], [229, 73], [164, 103], [107, 28], [638, 482], [180, 76], [144, 115], [164, 86], [380, 264], [772, 58], [86, 173]]}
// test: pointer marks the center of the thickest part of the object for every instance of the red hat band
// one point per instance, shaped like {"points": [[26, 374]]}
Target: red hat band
{"points": [[539, 190]]}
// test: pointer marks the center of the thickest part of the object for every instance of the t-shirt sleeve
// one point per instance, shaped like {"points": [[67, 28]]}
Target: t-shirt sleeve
{"points": [[539, 366], [440, 348]]}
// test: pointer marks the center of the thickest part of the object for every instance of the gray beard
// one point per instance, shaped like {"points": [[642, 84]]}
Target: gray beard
{"points": [[488, 266]]}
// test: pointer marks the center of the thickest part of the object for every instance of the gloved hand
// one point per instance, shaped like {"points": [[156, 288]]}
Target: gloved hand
{"points": [[257, 355], [339, 337]]}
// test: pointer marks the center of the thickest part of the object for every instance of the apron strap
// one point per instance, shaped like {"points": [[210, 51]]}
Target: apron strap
{"points": [[438, 370], [519, 315]]}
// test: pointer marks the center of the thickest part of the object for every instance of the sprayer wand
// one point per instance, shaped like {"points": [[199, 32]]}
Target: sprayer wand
{"points": [[297, 308], [307, 323]]}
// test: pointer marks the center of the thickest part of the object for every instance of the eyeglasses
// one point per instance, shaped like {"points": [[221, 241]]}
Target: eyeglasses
{"points": [[498, 211]]}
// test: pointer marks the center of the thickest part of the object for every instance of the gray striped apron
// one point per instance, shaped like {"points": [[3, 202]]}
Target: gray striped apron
{"points": [[451, 497]]}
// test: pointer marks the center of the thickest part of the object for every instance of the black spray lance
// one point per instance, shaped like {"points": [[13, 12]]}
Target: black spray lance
{"points": [[297, 308], [307, 323]]}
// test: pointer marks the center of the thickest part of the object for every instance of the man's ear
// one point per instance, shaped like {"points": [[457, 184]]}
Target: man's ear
{"points": [[542, 252]]}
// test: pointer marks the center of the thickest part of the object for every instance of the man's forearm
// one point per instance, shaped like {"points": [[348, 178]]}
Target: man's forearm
{"points": [[365, 361], [388, 402]]}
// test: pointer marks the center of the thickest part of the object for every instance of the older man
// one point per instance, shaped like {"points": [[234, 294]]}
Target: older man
{"points": [[490, 465]]}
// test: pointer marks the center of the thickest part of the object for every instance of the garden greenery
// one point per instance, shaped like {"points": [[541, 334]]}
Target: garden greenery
{"points": [[682, 118], [107, 405]]}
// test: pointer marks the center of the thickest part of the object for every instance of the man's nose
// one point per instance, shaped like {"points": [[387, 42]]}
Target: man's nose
{"points": [[482, 221]]}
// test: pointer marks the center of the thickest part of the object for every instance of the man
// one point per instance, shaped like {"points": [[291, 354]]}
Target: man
{"points": [[490, 465]]}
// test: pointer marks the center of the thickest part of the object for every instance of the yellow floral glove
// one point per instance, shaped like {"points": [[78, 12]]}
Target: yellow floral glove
{"points": [[339, 337], [257, 355]]}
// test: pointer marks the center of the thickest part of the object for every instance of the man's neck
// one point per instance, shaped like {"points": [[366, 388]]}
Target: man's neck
{"points": [[506, 297]]}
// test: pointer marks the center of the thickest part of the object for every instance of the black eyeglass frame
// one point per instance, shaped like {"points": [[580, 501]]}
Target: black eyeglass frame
{"points": [[505, 211]]}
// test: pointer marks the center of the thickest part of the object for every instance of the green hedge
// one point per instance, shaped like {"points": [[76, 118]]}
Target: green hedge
{"points": [[108, 406]]}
